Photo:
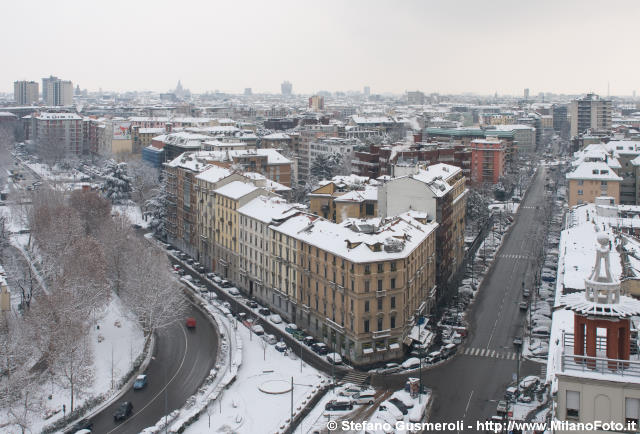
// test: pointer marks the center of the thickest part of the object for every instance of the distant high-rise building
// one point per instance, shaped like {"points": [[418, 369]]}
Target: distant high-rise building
{"points": [[25, 92], [248, 91], [526, 94], [367, 91], [559, 118], [590, 112], [57, 92], [286, 88], [316, 103], [415, 98]]}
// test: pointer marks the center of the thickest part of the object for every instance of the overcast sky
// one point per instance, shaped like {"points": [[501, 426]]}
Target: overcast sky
{"points": [[448, 46]]}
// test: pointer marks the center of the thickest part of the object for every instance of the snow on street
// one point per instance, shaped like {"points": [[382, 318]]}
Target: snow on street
{"points": [[243, 408]]}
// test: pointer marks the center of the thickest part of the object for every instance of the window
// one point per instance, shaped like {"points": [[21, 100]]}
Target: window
{"points": [[579, 192], [367, 269], [393, 322], [380, 303], [393, 283], [379, 324], [394, 267], [380, 268], [393, 302], [366, 286], [366, 306], [366, 326], [379, 284], [573, 404], [632, 410]]}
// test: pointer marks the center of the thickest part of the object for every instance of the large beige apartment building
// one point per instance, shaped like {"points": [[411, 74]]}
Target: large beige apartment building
{"points": [[360, 285]]}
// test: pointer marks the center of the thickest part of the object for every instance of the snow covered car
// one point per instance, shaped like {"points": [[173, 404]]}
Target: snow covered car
{"points": [[140, 383], [275, 318], [234, 292], [281, 346], [411, 363], [290, 328], [334, 358], [270, 339], [257, 329]]}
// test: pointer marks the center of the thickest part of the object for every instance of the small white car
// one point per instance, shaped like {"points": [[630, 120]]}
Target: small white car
{"points": [[275, 318]]}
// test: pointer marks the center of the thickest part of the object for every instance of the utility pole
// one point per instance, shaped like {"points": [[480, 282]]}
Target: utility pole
{"points": [[292, 399]]}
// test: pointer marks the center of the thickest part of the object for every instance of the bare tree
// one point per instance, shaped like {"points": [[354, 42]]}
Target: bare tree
{"points": [[152, 292], [74, 359], [92, 208], [118, 241]]}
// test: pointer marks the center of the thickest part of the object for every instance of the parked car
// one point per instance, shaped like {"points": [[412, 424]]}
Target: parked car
{"points": [[275, 318], [363, 398], [523, 305], [191, 323], [225, 283], [234, 292], [270, 339], [257, 329], [211, 275], [389, 368], [320, 348], [201, 269], [526, 293], [511, 393], [399, 404], [309, 341], [411, 363], [123, 412], [517, 340], [281, 346], [298, 335], [334, 359], [339, 404], [502, 407], [264, 311], [290, 328], [434, 357], [252, 304]]}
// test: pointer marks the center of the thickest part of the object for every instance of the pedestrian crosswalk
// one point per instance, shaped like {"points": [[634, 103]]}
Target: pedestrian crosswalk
{"points": [[513, 256], [528, 207], [356, 377], [485, 352]]}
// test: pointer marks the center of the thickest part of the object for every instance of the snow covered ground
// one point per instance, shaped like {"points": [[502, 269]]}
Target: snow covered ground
{"points": [[243, 407], [133, 213]]}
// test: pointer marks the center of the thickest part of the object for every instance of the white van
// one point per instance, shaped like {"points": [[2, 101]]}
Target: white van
{"points": [[363, 398]]}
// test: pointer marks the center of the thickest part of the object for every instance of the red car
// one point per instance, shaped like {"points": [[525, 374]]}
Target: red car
{"points": [[191, 323]]}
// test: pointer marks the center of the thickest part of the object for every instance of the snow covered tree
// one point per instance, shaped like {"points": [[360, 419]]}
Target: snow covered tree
{"points": [[144, 180], [117, 183], [157, 210], [326, 166], [477, 206]]}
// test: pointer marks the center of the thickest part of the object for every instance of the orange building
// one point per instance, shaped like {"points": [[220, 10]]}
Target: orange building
{"points": [[487, 160]]}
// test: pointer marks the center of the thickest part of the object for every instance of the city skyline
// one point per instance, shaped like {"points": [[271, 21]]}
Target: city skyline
{"points": [[435, 47]]}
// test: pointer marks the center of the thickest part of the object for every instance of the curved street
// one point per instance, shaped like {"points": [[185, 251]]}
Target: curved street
{"points": [[181, 361]]}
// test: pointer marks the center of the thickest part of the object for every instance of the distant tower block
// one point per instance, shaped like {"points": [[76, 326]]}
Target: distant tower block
{"points": [[602, 306]]}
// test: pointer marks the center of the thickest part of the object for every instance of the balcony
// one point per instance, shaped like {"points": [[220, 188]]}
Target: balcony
{"points": [[381, 334], [598, 365]]}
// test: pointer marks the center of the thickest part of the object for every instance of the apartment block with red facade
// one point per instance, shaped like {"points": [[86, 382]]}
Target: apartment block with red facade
{"points": [[487, 160]]}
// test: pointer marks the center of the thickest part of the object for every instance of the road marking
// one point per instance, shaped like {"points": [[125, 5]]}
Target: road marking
{"points": [[513, 356], [184, 356], [492, 353], [466, 408], [495, 354]]}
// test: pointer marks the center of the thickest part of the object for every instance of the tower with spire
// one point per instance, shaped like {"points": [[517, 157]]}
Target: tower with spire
{"points": [[602, 306]]}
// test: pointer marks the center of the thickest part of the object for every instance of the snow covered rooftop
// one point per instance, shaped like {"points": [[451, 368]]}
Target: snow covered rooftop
{"points": [[213, 174], [236, 189], [267, 209], [594, 170], [360, 240], [436, 177], [369, 193], [262, 181], [277, 136], [151, 130]]}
